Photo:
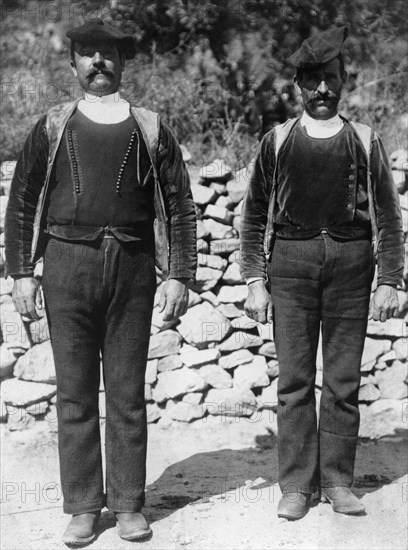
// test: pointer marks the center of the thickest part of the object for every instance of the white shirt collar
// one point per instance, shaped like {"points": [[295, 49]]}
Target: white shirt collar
{"points": [[107, 109], [321, 128]]}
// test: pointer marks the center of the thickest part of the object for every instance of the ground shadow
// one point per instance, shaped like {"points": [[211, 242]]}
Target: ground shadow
{"points": [[203, 475], [380, 462]]}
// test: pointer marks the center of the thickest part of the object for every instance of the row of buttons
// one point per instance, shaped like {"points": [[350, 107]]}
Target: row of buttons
{"points": [[351, 177]]}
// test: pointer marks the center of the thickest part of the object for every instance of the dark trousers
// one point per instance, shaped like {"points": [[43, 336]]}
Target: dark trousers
{"points": [[319, 284], [99, 300]]}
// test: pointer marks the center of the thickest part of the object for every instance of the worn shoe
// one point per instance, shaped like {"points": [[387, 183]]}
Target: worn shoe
{"points": [[81, 529], [133, 526], [294, 505], [342, 500]]}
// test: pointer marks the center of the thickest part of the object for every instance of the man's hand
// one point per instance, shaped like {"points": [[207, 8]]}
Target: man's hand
{"points": [[27, 296], [258, 305], [383, 304], [174, 299]]}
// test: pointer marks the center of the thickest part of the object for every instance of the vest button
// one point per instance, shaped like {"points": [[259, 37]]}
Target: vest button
{"points": [[349, 205], [352, 166], [351, 177]]}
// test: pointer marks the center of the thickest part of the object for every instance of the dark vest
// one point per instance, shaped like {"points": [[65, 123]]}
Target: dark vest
{"points": [[321, 185], [99, 181]]}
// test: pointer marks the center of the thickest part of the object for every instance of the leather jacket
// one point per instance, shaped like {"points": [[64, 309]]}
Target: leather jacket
{"points": [[175, 223]]}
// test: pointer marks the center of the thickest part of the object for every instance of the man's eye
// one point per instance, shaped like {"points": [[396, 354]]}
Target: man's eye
{"points": [[310, 82]]}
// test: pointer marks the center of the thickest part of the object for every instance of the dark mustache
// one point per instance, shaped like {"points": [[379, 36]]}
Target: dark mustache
{"points": [[94, 72], [331, 96]]}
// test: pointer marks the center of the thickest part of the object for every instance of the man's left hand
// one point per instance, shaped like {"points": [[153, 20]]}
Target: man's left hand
{"points": [[174, 299], [383, 304]]}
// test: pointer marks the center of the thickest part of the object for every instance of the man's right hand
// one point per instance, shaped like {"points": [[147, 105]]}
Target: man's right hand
{"points": [[27, 297], [258, 305]]}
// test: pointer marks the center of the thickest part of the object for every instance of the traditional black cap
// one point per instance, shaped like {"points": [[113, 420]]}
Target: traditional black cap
{"points": [[96, 30], [319, 48]]}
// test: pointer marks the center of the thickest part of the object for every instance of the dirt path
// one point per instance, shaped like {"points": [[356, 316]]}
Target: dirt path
{"points": [[211, 485]]}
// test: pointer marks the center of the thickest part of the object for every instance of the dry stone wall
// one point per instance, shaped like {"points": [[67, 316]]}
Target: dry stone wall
{"points": [[214, 360]]}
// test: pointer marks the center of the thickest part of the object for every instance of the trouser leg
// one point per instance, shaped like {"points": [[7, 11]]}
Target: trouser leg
{"points": [[132, 284], [345, 301], [72, 293], [294, 273]]}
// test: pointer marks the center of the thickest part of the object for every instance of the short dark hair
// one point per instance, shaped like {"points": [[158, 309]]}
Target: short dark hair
{"points": [[299, 71]]}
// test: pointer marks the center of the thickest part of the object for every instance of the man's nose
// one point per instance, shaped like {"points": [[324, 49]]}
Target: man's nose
{"points": [[98, 59], [323, 88]]}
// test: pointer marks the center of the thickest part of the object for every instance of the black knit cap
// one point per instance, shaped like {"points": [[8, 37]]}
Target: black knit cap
{"points": [[319, 48], [96, 30]]}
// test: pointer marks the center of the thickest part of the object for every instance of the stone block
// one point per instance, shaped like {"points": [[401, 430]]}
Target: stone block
{"points": [[368, 393], [37, 365], [230, 311], [170, 362], [219, 214], [186, 412], [219, 230], [392, 382], [374, 348], [233, 295], [252, 375], [215, 376], [210, 297], [14, 330], [178, 382], [151, 371], [195, 398], [206, 278], [203, 195], [199, 357], [164, 343], [236, 358], [240, 339], [202, 324], [224, 247], [213, 261], [232, 275], [230, 402], [153, 413], [20, 393]]}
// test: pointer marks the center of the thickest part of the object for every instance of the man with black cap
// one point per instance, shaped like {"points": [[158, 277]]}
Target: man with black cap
{"points": [[320, 190], [101, 190]]}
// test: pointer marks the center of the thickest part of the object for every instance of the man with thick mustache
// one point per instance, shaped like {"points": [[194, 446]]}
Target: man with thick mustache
{"points": [[309, 215], [101, 190]]}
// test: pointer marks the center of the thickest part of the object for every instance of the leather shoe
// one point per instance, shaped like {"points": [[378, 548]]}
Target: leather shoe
{"points": [[132, 526], [81, 529], [342, 500], [294, 505]]}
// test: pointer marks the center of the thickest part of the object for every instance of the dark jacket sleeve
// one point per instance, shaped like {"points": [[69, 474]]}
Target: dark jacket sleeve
{"points": [[254, 213], [179, 204], [389, 219], [28, 180]]}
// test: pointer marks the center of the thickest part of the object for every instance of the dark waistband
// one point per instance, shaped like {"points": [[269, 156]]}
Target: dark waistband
{"points": [[350, 232], [140, 232]]}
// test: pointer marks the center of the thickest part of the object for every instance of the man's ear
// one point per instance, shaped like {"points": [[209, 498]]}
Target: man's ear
{"points": [[297, 87], [122, 61], [73, 67]]}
